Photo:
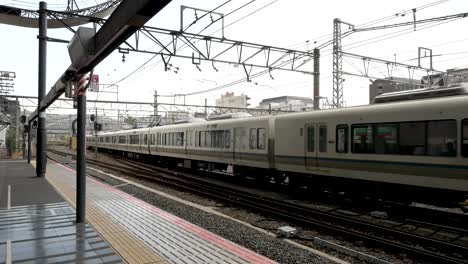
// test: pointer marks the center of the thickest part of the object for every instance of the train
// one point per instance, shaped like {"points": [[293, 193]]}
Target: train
{"points": [[405, 149]]}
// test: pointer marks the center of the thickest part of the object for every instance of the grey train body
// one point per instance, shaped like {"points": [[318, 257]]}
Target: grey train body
{"points": [[422, 143]]}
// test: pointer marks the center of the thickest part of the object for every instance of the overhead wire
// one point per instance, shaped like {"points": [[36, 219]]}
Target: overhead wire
{"points": [[212, 22], [266, 71], [155, 55]]}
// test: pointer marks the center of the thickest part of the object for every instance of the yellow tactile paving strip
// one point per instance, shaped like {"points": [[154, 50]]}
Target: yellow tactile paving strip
{"points": [[130, 248]]}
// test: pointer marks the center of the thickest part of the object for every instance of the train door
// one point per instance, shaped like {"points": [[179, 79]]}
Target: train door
{"points": [[315, 143]]}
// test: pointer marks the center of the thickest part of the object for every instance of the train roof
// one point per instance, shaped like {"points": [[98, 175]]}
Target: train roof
{"points": [[440, 103]]}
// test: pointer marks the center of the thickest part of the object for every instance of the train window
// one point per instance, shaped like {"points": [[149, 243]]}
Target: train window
{"points": [[197, 139], [217, 138], [121, 139], [261, 138], [412, 138], [442, 138], [386, 139], [145, 139], [311, 138], [208, 139], [181, 139], [227, 138], [323, 138], [134, 139], [152, 140], [465, 138], [363, 139], [342, 138], [253, 138]]}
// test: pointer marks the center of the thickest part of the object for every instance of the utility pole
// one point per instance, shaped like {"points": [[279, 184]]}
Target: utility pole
{"points": [[337, 63], [41, 154], [316, 79]]}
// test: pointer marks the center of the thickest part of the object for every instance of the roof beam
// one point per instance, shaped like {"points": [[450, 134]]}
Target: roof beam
{"points": [[128, 17]]}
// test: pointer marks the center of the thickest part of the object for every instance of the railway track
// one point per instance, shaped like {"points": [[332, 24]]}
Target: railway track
{"points": [[390, 239]]}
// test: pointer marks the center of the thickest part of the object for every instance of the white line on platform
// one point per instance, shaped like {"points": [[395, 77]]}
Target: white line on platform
{"points": [[212, 211], [9, 198], [8, 252]]}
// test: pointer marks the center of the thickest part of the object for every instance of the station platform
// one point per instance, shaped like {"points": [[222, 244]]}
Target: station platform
{"points": [[38, 226], [142, 233]]}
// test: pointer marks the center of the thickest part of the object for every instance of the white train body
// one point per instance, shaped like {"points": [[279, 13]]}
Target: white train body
{"points": [[419, 143]]}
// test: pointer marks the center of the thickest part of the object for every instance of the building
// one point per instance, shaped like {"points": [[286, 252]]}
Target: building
{"points": [[449, 78], [231, 100], [381, 86], [457, 76], [287, 103]]}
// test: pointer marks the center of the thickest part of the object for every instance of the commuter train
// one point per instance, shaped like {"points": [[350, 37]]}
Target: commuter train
{"points": [[415, 148]]}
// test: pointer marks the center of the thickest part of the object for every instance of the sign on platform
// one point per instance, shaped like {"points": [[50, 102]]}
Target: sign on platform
{"points": [[94, 85]]}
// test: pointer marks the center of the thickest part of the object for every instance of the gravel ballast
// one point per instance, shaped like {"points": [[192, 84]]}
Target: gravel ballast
{"points": [[259, 242]]}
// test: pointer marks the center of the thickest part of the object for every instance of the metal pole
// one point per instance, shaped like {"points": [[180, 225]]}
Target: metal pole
{"points": [[81, 160], [95, 134], [17, 128], [29, 142], [155, 106], [206, 108], [23, 143], [41, 152], [316, 79]]}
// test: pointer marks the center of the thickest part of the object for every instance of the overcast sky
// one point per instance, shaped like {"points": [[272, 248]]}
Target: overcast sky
{"points": [[293, 24]]}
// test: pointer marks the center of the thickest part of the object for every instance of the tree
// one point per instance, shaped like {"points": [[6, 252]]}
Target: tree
{"points": [[10, 141], [131, 121]]}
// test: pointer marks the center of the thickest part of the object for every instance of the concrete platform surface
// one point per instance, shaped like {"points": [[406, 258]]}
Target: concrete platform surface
{"points": [[25, 187], [38, 226], [143, 233]]}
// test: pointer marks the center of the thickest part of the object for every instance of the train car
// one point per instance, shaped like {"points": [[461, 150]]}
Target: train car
{"points": [[418, 146], [419, 143]]}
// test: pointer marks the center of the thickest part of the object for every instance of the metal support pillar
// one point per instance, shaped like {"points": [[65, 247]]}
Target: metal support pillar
{"points": [[81, 160], [316, 79], [95, 134], [29, 141], [337, 65], [41, 154]]}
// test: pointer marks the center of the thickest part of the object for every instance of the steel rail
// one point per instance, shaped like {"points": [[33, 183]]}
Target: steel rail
{"points": [[291, 212]]}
